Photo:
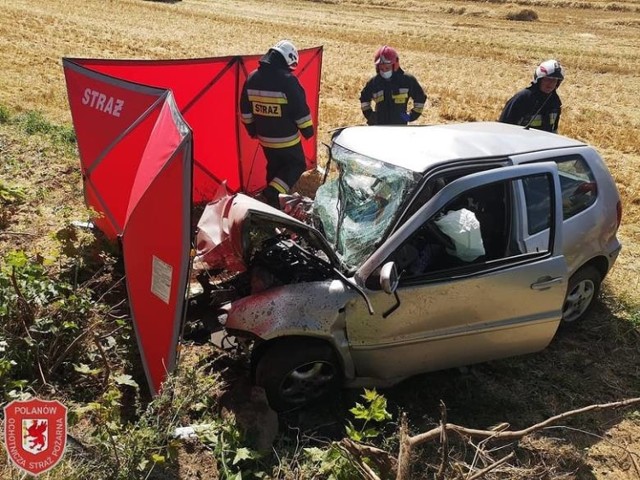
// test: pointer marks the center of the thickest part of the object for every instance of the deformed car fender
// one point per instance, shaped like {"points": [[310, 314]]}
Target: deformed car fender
{"points": [[310, 308]]}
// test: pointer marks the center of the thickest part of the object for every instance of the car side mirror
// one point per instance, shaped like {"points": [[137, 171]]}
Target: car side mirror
{"points": [[389, 277]]}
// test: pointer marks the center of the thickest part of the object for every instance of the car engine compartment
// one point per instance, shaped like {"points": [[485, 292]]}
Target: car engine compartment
{"points": [[276, 256]]}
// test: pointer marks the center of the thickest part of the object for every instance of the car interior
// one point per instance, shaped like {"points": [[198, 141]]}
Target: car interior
{"points": [[431, 251]]}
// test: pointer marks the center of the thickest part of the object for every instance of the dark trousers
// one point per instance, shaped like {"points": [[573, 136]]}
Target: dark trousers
{"points": [[286, 165]]}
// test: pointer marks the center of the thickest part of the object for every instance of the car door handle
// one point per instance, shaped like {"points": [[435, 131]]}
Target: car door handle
{"points": [[546, 282]]}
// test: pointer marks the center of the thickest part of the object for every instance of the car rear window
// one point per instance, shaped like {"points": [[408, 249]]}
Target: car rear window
{"points": [[579, 192]]}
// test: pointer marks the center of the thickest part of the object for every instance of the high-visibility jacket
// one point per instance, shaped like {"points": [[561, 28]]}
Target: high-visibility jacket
{"points": [[273, 105], [532, 107], [391, 98]]}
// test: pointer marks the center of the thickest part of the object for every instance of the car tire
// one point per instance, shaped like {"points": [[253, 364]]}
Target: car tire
{"points": [[297, 372], [583, 289]]}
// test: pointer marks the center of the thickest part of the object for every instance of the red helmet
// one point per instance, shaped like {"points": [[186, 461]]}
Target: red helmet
{"points": [[387, 54]]}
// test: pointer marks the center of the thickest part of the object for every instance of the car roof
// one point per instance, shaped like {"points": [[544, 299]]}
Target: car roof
{"points": [[419, 147]]}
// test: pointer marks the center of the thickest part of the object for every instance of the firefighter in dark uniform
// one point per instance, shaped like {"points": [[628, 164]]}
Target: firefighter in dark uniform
{"points": [[537, 106], [390, 89], [274, 110]]}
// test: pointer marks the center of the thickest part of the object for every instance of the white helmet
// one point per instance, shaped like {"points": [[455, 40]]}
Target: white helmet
{"points": [[549, 68], [288, 52]]}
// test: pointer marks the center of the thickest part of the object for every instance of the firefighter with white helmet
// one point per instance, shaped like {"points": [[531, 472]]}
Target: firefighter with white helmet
{"points": [[390, 90], [274, 110], [537, 106]]}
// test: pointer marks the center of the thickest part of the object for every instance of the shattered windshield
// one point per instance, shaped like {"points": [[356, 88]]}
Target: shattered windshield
{"points": [[356, 207]]}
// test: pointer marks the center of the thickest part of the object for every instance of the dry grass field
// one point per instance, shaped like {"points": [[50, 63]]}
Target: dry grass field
{"points": [[470, 58]]}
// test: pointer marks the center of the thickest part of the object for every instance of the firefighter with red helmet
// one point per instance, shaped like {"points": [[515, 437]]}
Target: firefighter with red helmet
{"points": [[274, 110], [390, 89], [537, 106]]}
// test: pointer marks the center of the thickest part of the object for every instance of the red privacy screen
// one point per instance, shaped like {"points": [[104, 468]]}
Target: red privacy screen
{"points": [[153, 137], [207, 92]]}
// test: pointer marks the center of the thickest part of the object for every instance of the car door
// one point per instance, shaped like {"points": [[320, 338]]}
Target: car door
{"points": [[489, 299]]}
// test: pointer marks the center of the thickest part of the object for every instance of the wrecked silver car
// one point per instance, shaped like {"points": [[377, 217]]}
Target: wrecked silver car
{"points": [[431, 247]]}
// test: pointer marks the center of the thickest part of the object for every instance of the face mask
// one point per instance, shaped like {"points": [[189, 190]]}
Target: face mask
{"points": [[386, 75]]}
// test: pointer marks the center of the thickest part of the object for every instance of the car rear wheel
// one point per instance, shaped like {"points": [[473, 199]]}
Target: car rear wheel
{"points": [[297, 371], [583, 289]]}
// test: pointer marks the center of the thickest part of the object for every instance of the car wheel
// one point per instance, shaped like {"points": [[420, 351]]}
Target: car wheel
{"points": [[583, 288], [296, 372]]}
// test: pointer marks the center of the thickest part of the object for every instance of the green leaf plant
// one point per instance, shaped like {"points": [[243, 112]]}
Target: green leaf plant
{"points": [[370, 414]]}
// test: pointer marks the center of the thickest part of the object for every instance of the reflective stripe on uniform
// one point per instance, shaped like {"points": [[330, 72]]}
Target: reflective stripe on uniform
{"points": [[418, 107], [279, 142], [247, 118], [378, 96], [364, 106], [536, 121], [401, 97], [304, 122], [265, 96], [279, 185]]}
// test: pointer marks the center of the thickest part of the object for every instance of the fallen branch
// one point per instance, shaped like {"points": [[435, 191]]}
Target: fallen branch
{"points": [[407, 443], [17, 234], [481, 473], [517, 434], [354, 455], [444, 442], [481, 453], [404, 455], [385, 462]]}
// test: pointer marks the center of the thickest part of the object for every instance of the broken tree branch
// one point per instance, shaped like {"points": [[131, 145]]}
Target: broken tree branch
{"points": [[516, 434], [481, 473], [353, 453], [404, 455], [444, 442], [385, 462], [17, 234], [407, 443]]}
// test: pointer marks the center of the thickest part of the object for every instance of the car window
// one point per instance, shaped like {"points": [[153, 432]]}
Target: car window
{"points": [[579, 191], [435, 183], [578, 186], [472, 232]]}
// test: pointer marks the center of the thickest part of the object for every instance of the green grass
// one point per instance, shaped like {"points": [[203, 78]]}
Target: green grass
{"points": [[34, 123], [4, 114]]}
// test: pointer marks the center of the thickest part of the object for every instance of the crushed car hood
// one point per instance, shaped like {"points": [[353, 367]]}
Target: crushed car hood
{"points": [[229, 223]]}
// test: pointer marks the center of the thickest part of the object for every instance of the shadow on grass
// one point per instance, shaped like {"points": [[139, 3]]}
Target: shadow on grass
{"points": [[592, 362]]}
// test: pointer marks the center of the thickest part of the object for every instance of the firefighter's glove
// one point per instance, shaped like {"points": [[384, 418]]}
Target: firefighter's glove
{"points": [[405, 117]]}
